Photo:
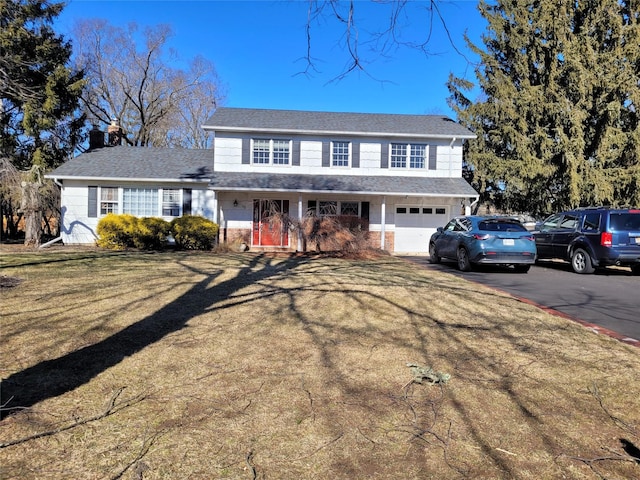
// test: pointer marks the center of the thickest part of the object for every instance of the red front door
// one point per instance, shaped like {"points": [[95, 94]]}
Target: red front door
{"points": [[269, 229]]}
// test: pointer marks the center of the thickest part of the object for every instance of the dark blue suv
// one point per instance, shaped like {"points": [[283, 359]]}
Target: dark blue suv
{"points": [[592, 237]]}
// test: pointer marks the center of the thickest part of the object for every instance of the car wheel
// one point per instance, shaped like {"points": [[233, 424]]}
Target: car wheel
{"points": [[522, 268], [464, 264], [433, 254], [635, 269], [581, 261]]}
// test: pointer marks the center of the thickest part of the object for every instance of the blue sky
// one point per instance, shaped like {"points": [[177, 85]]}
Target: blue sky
{"points": [[258, 49]]}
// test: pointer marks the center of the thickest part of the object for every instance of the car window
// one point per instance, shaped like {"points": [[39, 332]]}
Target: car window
{"points": [[568, 222], [459, 225], [465, 224], [624, 222], [501, 226], [451, 225], [551, 222], [591, 222]]}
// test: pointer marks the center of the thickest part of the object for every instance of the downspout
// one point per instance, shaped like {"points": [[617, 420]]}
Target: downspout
{"points": [[383, 221], [453, 140], [299, 223], [50, 242], [57, 239], [471, 205]]}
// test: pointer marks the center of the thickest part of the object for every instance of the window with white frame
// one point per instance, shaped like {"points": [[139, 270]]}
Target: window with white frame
{"points": [[281, 152], [340, 154], [411, 155], [268, 151], [261, 151], [418, 156], [141, 202], [170, 202], [398, 155], [108, 200]]}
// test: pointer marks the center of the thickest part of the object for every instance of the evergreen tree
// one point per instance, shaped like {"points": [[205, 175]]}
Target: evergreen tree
{"points": [[557, 120], [39, 96]]}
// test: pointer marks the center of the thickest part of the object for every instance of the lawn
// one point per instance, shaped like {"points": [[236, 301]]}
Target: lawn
{"points": [[254, 366]]}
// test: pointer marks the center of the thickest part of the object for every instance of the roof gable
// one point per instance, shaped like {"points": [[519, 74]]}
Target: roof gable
{"points": [[308, 122]]}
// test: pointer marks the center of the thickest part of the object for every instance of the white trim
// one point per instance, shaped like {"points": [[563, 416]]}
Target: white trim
{"points": [[336, 132], [129, 179]]}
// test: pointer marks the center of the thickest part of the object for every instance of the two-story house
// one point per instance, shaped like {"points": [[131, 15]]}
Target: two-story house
{"points": [[403, 173]]}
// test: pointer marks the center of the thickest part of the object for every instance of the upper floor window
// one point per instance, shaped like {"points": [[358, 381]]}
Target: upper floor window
{"points": [[340, 154], [413, 155], [108, 200], [141, 202], [269, 151]]}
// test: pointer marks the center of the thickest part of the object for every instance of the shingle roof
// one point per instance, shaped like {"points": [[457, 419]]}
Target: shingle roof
{"points": [[171, 164], [298, 121], [352, 184], [140, 164]]}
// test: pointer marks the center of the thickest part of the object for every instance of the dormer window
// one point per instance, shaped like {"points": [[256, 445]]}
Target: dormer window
{"points": [[271, 152]]}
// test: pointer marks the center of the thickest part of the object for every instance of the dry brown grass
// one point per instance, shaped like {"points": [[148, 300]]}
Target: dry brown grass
{"points": [[201, 366]]}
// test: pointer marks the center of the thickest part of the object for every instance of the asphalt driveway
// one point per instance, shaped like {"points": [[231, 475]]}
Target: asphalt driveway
{"points": [[609, 299]]}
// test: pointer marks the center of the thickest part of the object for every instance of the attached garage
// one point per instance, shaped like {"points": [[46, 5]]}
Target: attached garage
{"points": [[415, 225]]}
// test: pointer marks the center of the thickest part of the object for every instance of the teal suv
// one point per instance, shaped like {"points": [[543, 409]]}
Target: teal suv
{"points": [[592, 237], [475, 240]]}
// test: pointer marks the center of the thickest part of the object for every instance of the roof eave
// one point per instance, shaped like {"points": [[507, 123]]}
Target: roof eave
{"points": [[282, 131], [129, 179], [344, 192]]}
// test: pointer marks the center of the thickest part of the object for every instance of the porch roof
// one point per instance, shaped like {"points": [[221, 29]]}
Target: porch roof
{"points": [[347, 184]]}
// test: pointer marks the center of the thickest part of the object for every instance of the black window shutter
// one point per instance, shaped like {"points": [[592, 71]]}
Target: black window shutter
{"points": [[186, 201], [246, 154], [364, 210], [433, 157], [384, 156], [355, 155], [93, 202], [326, 160], [311, 207], [295, 161]]}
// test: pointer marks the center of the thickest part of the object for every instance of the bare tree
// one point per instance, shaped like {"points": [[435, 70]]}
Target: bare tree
{"points": [[130, 78], [404, 17]]}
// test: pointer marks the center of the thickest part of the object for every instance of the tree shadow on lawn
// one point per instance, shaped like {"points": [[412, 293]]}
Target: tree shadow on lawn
{"points": [[55, 377]]}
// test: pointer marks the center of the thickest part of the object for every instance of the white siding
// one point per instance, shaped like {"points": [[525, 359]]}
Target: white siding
{"points": [[228, 158], [78, 228]]}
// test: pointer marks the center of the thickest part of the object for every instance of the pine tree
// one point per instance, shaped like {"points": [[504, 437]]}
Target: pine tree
{"points": [[39, 96], [558, 120]]}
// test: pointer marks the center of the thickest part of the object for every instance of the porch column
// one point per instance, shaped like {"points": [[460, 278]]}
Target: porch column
{"points": [[299, 222], [383, 221], [215, 207]]}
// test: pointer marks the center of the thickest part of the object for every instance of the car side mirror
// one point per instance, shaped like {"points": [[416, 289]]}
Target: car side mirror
{"points": [[440, 230]]}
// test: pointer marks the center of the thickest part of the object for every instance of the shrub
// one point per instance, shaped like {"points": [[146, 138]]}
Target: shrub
{"points": [[117, 232], [194, 233], [341, 233], [152, 233]]}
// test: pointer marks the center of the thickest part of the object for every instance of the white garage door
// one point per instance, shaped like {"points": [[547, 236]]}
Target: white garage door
{"points": [[414, 226]]}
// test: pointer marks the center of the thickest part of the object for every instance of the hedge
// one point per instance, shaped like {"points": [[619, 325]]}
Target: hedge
{"points": [[117, 232]]}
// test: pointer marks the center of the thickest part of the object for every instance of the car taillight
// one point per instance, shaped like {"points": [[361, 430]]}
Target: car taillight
{"points": [[529, 237], [479, 236], [606, 239]]}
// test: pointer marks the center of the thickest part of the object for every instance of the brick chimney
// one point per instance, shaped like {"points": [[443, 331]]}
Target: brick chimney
{"points": [[115, 133], [96, 137]]}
